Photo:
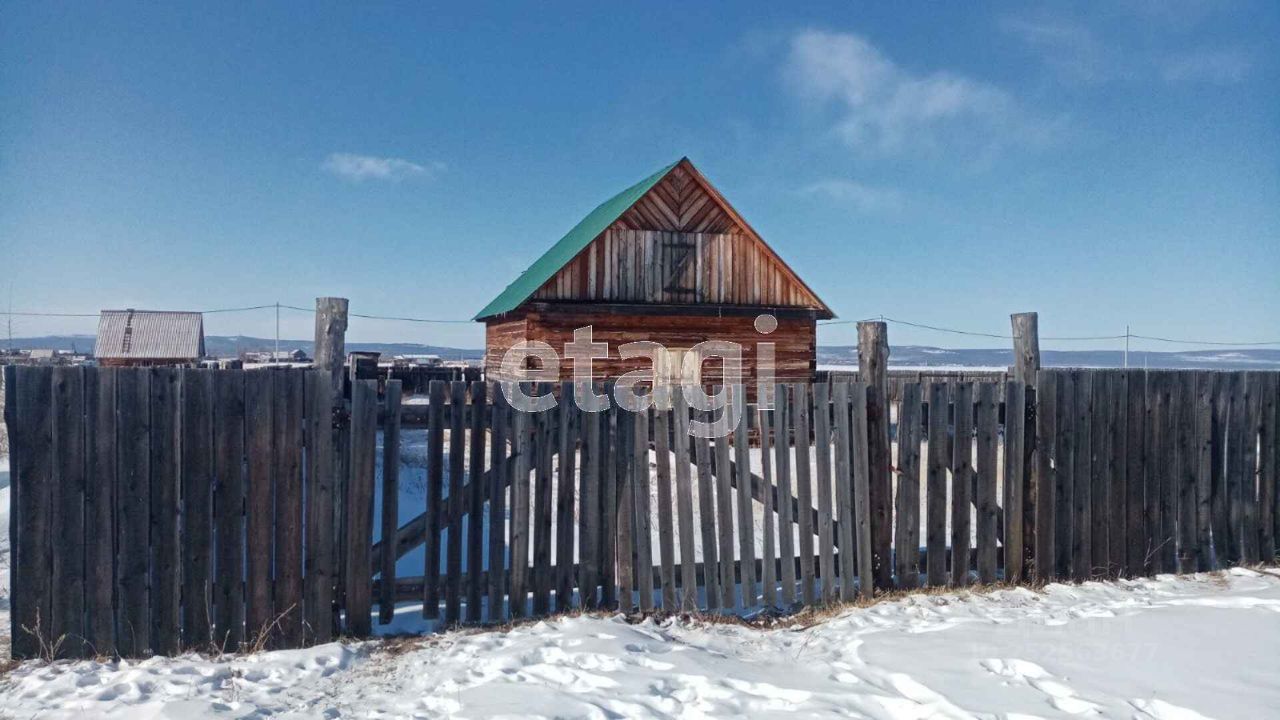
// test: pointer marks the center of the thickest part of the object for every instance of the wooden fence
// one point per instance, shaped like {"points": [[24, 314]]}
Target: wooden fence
{"points": [[155, 510], [159, 509]]}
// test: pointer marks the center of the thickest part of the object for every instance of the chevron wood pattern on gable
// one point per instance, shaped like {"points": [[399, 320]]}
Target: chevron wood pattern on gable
{"points": [[680, 204], [647, 266]]}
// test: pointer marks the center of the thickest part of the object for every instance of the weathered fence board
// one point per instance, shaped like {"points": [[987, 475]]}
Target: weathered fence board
{"points": [[986, 420], [390, 501], [477, 393], [936, 487], [907, 509], [961, 481], [66, 620], [99, 509]]}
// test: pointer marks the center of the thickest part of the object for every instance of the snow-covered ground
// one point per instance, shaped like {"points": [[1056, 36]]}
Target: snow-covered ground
{"points": [[1192, 647]]}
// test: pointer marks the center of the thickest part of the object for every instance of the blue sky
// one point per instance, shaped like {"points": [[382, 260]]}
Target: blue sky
{"points": [[1110, 164]]}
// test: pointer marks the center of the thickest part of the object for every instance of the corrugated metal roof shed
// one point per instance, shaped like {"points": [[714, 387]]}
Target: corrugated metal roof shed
{"points": [[150, 335]]}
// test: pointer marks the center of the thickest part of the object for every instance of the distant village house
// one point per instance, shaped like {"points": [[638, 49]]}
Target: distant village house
{"points": [[140, 338]]}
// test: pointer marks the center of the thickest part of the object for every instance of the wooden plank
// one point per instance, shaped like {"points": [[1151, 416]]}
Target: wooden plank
{"points": [[642, 543], [1203, 469], [987, 476], [1065, 474], [961, 481], [859, 458], [321, 561], [228, 502], [707, 517], [435, 498], [99, 503], [843, 478], [907, 532], [390, 500], [28, 416], [1115, 413], [543, 510], [725, 520], [782, 453], [589, 507], [801, 404], [259, 401], [666, 509], [66, 620], [1046, 410], [684, 503], [608, 507], [1188, 506], [873, 358], [475, 502], [359, 505], [1015, 481], [625, 459], [826, 530], [936, 488], [1100, 472], [567, 443], [1249, 478], [769, 576], [166, 506], [455, 502], [1267, 459], [1220, 501], [1081, 481], [724, 511], [1135, 471], [1274, 474], [1164, 483], [499, 476], [133, 512], [746, 513], [288, 412]]}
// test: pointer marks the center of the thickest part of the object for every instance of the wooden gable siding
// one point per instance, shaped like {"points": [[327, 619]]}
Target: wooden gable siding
{"points": [[678, 203], [662, 267]]}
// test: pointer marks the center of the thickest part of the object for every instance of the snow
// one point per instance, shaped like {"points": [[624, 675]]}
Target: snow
{"points": [[1165, 647]]}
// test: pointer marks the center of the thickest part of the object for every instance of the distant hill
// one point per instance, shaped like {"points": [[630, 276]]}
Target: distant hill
{"points": [[924, 356], [903, 355], [233, 345]]}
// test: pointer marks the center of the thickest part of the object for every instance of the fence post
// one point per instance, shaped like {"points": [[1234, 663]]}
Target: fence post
{"points": [[873, 361], [331, 334], [1026, 346], [330, 357], [1026, 363]]}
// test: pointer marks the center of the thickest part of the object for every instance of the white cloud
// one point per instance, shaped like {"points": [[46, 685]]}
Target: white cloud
{"points": [[861, 197], [367, 167], [1217, 67], [886, 108], [1070, 49]]}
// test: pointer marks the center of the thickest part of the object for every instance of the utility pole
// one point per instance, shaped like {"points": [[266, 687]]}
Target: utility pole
{"points": [[275, 357], [1126, 347]]}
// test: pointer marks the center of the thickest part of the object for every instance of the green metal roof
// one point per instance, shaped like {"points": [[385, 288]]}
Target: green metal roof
{"points": [[545, 267]]}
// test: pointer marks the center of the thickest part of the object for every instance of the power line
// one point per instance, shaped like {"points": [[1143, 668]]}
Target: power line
{"points": [[973, 333], [384, 317], [897, 321], [1204, 342]]}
